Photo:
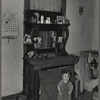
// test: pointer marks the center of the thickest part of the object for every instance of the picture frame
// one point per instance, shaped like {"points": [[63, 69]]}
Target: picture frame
{"points": [[59, 20]]}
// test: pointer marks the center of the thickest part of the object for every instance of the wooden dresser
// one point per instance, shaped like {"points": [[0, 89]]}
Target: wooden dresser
{"points": [[31, 79], [41, 40]]}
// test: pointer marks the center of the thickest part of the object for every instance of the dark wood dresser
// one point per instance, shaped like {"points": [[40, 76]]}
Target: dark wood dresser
{"points": [[31, 79], [45, 39]]}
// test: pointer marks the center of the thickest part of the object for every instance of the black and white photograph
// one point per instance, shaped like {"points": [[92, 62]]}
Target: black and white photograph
{"points": [[50, 49]]}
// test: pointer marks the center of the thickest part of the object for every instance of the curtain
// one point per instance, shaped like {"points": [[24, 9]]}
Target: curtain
{"points": [[48, 84]]}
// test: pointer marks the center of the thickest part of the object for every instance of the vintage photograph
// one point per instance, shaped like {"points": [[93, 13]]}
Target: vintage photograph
{"points": [[49, 49]]}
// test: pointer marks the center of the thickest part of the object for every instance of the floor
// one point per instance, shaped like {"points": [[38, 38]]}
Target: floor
{"points": [[82, 97], [85, 96]]}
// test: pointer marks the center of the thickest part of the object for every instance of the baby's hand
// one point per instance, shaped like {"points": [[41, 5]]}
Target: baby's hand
{"points": [[60, 93], [69, 92]]}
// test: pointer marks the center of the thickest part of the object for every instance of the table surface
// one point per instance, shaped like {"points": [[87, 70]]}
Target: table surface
{"points": [[53, 61]]}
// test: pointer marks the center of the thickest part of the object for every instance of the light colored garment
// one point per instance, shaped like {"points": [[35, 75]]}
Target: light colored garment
{"points": [[82, 70], [90, 85]]}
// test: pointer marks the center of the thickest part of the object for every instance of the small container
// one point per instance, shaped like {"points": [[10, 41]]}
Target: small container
{"points": [[89, 58], [48, 19], [45, 56], [42, 19]]}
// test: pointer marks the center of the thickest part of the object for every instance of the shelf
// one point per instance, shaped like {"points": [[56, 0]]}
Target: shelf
{"points": [[57, 26], [53, 61], [48, 27], [29, 13], [29, 23]]}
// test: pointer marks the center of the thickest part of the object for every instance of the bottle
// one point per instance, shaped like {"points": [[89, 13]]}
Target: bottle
{"points": [[42, 19], [89, 58]]}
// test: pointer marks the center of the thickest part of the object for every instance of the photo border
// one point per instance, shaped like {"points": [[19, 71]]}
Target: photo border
{"points": [[1, 46]]}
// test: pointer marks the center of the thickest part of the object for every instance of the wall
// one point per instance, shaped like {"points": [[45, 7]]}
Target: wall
{"points": [[96, 29], [12, 53], [81, 28]]}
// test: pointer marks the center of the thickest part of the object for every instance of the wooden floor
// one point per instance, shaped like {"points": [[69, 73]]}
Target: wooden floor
{"points": [[17, 96], [83, 96]]}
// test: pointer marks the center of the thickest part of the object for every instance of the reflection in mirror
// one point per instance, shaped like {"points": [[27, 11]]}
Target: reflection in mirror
{"points": [[44, 39]]}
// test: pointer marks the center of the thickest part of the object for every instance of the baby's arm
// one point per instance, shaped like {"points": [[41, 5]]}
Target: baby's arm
{"points": [[71, 89], [59, 89]]}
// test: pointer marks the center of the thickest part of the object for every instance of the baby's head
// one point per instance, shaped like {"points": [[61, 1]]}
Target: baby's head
{"points": [[65, 75]]}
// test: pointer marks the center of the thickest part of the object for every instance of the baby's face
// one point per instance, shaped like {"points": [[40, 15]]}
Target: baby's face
{"points": [[66, 77]]}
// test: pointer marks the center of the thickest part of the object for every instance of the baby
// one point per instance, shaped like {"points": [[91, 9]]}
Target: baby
{"points": [[65, 86]]}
